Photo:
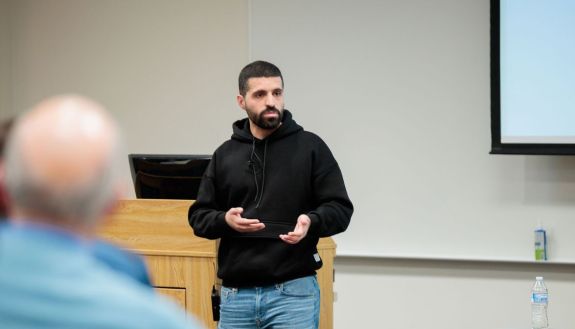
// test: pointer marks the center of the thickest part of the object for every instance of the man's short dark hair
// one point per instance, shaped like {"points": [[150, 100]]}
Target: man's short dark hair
{"points": [[257, 69]]}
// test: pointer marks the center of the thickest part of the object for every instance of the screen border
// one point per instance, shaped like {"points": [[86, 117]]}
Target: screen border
{"points": [[497, 147]]}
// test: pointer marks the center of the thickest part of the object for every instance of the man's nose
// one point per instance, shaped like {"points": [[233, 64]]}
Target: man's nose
{"points": [[270, 100]]}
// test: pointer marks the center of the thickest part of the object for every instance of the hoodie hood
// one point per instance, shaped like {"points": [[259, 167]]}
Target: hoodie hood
{"points": [[257, 163], [241, 129]]}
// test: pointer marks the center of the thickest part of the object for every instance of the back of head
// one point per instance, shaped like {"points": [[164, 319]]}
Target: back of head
{"points": [[257, 69], [61, 163]]}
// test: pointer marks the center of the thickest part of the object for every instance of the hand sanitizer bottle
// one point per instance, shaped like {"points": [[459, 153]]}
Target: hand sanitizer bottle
{"points": [[540, 243]]}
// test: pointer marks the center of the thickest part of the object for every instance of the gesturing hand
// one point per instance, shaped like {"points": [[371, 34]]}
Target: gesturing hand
{"points": [[240, 224], [299, 232]]}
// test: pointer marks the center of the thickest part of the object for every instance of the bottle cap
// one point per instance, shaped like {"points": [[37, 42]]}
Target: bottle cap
{"points": [[539, 278]]}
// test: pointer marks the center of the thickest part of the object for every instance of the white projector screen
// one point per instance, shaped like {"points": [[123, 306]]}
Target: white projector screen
{"points": [[536, 95]]}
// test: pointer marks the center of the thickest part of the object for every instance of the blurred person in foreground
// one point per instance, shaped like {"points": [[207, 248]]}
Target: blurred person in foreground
{"points": [[62, 179], [113, 256]]}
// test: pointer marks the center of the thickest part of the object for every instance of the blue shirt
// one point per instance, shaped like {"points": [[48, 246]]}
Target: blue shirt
{"points": [[121, 261], [52, 279]]}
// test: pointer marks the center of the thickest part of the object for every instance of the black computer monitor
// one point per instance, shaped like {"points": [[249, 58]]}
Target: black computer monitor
{"points": [[167, 176]]}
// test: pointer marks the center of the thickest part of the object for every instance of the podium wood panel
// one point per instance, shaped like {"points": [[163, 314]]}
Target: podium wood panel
{"points": [[182, 265]]}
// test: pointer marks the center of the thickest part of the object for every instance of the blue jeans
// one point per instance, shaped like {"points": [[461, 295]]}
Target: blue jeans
{"points": [[293, 304]]}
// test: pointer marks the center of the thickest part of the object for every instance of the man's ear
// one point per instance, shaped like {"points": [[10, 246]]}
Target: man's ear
{"points": [[241, 101], [4, 200], [118, 194]]}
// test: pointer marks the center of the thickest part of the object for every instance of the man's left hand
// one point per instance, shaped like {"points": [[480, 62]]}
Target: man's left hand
{"points": [[299, 232]]}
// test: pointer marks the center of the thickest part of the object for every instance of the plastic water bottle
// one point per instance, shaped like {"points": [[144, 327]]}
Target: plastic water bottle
{"points": [[539, 299]]}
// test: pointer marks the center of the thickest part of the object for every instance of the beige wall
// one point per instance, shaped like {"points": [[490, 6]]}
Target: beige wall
{"points": [[400, 91], [168, 69], [164, 68], [434, 294], [4, 60]]}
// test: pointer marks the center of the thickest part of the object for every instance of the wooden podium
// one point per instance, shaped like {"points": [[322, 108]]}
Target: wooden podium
{"points": [[182, 265]]}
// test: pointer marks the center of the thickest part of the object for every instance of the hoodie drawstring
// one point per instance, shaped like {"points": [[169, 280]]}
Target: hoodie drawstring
{"points": [[259, 195], [254, 168], [263, 173]]}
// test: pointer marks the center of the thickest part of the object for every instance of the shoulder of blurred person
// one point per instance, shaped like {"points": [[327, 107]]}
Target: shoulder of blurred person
{"points": [[50, 277], [122, 261]]}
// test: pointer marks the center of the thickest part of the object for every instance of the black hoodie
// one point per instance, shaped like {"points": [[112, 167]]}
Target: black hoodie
{"points": [[289, 173]]}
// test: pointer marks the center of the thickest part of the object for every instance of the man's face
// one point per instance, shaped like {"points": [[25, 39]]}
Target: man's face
{"points": [[264, 101]]}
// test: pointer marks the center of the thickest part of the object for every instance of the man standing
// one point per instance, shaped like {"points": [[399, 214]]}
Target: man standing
{"points": [[269, 193], [62, 178]]}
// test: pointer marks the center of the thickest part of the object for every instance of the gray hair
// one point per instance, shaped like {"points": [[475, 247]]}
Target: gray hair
{"points": [[81, 205]]}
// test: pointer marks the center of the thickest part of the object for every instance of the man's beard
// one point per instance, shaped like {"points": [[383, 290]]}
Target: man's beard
{"points": [[266, 123]]}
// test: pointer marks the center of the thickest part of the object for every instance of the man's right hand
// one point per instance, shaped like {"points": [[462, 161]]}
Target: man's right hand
{"points": [[237, 222]]}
